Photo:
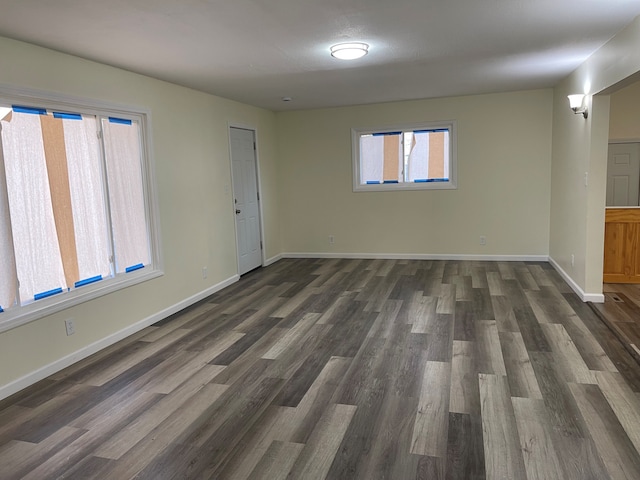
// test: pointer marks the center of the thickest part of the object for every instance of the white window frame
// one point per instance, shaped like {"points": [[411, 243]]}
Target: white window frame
{"points": [[452, 183], [16, 316]]}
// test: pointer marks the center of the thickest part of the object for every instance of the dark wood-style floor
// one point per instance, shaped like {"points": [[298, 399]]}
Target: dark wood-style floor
{"points": [[621, 312], [346, 369]]}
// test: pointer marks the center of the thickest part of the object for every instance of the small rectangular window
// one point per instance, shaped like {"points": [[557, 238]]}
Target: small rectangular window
{"points": [[415, 157]]}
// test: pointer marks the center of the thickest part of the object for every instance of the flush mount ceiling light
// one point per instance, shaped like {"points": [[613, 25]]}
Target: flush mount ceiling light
{"points": [[349, 51], [576, 102]]}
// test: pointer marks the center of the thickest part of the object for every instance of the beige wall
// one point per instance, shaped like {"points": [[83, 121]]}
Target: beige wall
{"points": [[190, 146], [624, 119], [504, 151], [579, 146]]}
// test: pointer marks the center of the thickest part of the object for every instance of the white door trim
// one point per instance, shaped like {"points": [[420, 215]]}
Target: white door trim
{"points": [[232, 207]]}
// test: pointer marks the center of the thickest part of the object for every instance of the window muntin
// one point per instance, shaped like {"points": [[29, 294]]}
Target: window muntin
{"points": [[420, 156], [76, 206]]}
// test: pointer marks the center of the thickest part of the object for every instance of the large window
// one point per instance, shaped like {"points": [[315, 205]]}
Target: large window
{"points": [[76, 205], [415, 157]]}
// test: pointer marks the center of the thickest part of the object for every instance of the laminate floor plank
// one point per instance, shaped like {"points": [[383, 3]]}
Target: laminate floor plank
{"points": [[464, 328], [567, 355], [536, 443], [286, 424], [487, 342], [494, 281], [431, 425], [505, 317], [520, 374], [21, 457], [540, 276], [561, 407], [464, 377], [616, 450], [120, 443], [358, 369], [387, 456], [624, 403], [316, 458], [277, 461], [502, 453], [465, 454]]}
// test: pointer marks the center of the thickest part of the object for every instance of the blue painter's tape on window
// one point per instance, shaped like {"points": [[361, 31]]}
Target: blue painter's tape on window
{"points": [[436, 130], [430, 180], [382, 134], [373, 182], [1, 309], [390, 181], [122, 121], [87, 281], [34, 111], [67, 116], [49, 293], [134, 267]]}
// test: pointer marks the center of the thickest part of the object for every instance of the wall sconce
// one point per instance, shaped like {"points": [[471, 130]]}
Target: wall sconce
{"points": [[576, 102]]}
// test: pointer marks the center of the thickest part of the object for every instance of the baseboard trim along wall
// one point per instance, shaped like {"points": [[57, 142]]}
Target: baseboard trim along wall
{"points": [[422, 256], [272, 260], [44, 372], [586, 297]]}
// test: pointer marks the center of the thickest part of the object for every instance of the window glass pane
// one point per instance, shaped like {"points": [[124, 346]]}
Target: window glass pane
{"points": [[87, 197], [126, 196], [371, 158], [429, 157], [381, 158], [37, 252]]}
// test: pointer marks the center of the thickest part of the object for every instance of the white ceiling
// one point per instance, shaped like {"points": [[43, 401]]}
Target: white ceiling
{"points": [[258, 51]]}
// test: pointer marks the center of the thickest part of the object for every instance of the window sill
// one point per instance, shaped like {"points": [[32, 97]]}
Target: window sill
{"points": [[16, 317], [395, 187]]}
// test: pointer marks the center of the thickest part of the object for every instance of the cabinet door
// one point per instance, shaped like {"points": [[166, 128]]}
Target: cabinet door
{"points": [[621, 246]]}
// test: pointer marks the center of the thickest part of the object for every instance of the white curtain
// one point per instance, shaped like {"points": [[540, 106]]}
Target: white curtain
{"points": [[419, 157], [8, 283], [37, 252], [87, 196], [371, 158], [126, 197]]}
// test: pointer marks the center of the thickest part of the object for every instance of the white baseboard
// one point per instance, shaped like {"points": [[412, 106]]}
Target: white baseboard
{"points": [[584, 296], [41, 373], [421, 256], [272, 260]]}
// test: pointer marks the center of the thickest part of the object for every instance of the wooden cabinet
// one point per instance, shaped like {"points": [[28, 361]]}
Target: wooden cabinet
{"points": [[622, 245]]}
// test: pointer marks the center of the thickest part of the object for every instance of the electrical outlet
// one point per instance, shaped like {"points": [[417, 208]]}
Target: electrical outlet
{"points": [[332, 239], [70, 326], [204, 272], [573, 260], [483, 240]]}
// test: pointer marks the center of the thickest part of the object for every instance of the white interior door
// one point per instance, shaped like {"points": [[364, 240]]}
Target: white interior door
{"points": [[245, 192], [623, 174]]}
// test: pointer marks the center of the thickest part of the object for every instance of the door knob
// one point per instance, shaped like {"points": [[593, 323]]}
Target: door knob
{"points": [[238, 211]]}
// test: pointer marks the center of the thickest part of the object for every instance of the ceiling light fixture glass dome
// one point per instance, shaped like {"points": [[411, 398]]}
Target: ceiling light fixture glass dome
{"points": [[349, 51]]}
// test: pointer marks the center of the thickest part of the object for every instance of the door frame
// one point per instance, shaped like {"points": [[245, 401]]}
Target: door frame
{"points": [[263, 250]]}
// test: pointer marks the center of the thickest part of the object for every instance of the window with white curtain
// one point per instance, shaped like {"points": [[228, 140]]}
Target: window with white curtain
{"points": [[76, 205], [409, 157]]}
